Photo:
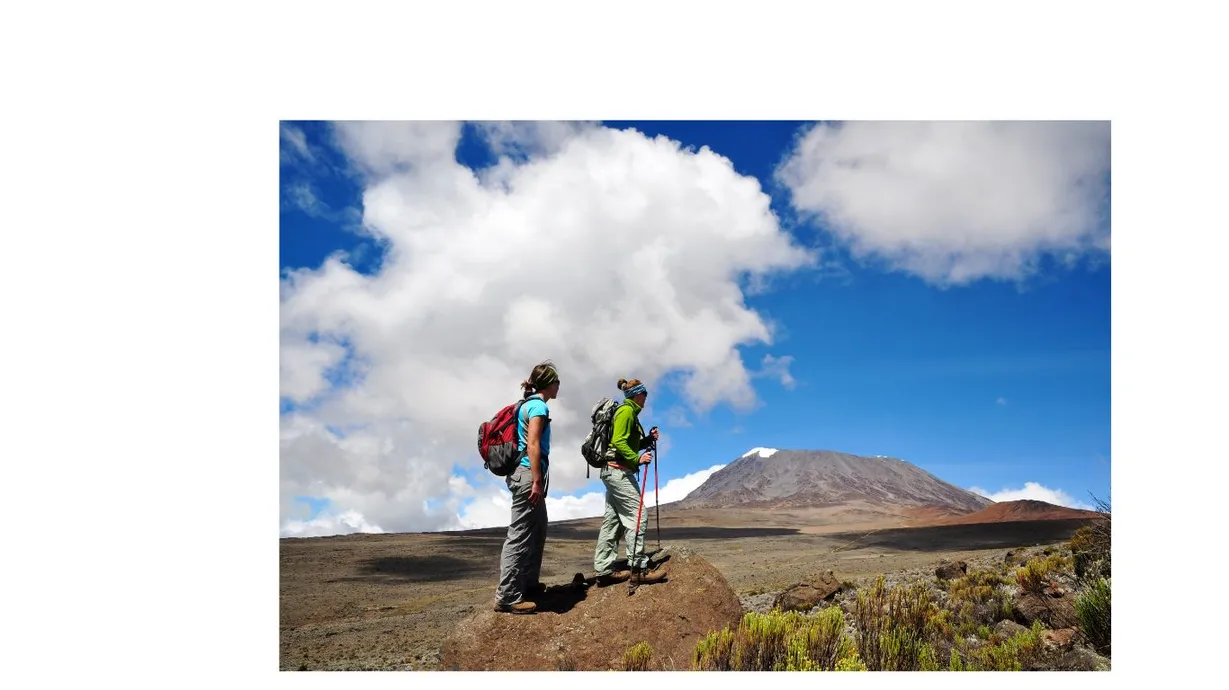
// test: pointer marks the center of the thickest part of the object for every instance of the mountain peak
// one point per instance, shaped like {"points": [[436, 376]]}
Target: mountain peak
{"points": [[773, 478]]}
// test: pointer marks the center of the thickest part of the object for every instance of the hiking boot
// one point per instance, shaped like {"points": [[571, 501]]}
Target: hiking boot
{"points": [[646, 578], [613, 578], [521, 607]]}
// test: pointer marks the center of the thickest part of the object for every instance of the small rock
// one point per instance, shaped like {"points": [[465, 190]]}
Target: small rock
{"points": [[1059, 639], [1008, 628], [1081, 658]]}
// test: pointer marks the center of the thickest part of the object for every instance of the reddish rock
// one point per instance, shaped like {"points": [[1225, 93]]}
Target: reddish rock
{"points": [[1059, 639]]}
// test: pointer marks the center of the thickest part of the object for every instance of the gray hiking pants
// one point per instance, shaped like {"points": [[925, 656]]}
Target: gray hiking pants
{"points": [[619, 521], [520, 564]]}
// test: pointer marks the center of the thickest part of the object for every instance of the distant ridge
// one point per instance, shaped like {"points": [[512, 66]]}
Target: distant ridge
{"points": [[1012, 511]]}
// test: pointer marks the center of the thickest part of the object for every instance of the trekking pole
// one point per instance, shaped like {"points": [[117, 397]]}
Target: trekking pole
{"points": [[656, 505], [636, 534]]}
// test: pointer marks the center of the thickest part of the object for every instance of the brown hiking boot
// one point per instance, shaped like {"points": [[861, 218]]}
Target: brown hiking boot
{"points": [[646, 578], [521, 607], [613, 578]]}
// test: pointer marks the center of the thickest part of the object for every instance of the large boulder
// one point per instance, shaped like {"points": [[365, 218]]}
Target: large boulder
{"points": [[808, 594], [583, 627]]}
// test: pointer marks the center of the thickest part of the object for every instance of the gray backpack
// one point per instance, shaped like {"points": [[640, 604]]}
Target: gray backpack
{"points": [[596, 448]]}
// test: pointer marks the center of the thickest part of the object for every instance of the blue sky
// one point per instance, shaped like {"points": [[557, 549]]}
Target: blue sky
{"points": [[930, 324]]}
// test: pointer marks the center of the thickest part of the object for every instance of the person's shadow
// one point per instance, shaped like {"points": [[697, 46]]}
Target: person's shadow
{"points": [[562, 598]]}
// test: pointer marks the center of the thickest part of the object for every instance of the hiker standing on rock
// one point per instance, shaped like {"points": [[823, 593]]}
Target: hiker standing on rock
{"points": [[520, 564], [623, 497]]}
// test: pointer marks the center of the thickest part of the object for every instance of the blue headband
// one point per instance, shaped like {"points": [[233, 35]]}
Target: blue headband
{"points": [[635, 390]]}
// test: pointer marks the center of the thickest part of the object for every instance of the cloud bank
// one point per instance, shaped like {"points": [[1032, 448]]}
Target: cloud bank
{"points": [[610, 253], [1033, 491], [954, 202]]}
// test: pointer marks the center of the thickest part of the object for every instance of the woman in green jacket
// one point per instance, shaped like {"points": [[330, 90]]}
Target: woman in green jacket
{"points": [[621, 477]]}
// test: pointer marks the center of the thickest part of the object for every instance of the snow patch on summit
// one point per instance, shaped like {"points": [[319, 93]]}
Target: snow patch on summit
{"points": [[763, 452]]}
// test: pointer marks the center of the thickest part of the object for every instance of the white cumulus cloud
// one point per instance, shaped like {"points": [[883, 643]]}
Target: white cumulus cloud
{"points": [[1033, 491], [610, 253], [298, 144], [954, 202], [677, 489], [348, 522], [494, 510], [778, 368]]}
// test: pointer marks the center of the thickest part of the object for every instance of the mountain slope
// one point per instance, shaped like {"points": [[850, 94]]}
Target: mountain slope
{"points": [[770, 478], [1012, 511]]}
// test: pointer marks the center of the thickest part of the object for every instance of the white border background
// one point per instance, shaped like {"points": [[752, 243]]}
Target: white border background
{"points": [[141, 236]]}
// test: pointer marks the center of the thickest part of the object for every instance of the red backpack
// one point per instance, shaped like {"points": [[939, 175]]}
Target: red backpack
{"points": [[498, 441]]}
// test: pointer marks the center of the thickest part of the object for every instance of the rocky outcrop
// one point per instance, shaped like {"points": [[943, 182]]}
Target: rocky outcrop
{"points": [[585, 627]]}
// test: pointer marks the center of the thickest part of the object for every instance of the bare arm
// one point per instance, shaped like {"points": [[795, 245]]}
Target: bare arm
{"points": [[533, 447]]}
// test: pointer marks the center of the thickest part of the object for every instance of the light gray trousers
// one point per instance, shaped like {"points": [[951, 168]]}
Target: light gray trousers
{"points": [[520, 564], [619, 521]]}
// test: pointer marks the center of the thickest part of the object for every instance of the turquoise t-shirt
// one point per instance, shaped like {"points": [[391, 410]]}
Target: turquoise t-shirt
{"points": [[535, 406]]}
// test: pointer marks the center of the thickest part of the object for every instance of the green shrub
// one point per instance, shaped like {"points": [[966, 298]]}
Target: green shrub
{"points": [[939, 626], [998, 657], [637, 658], [928, 660], [850, 663], [778, 641], [1012, 654], [715, 652], [893, 626], [966, 620], [797, 658], [1092, 608], [1038, 572]]}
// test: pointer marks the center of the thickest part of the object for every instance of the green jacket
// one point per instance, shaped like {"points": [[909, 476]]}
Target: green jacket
{"points": [[627, 437]]}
